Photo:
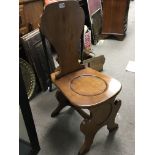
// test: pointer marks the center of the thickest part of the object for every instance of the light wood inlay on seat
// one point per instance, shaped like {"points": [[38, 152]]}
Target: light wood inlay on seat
{"points": [[84, 92], [88, 85]]}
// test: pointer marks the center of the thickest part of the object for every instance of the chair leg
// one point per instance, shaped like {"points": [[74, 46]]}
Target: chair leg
{"points": [[62, 103], [89, 133], [57, 110], [87, 144], [101, 115], [111, 125]]}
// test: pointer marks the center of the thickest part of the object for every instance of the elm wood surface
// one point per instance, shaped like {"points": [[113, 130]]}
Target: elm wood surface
{"points": [[87, 87], [59, 24], [115, 15], [93, 17], [82, 88]]}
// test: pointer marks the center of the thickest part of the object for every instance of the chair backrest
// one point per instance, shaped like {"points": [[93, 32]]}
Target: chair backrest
{"points": [[62, 24]]}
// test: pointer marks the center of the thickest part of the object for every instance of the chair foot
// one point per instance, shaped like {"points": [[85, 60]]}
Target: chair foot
{"points": [[87, 144], [85, 147], [111, 125], [113, 128], [89, 137], [99, 116], [57, 110]]}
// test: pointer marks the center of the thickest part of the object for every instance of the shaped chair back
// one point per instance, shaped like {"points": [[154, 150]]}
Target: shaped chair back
{"points": [[62, 24]]}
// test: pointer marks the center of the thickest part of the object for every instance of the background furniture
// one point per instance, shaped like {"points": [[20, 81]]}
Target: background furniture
{"points": [[38, 57], [79, 87], [29, 15], [28, 77], [115, 17], [93, 17]]}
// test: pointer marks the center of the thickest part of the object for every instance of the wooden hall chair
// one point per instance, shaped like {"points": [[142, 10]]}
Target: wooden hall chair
{"points": [[79, 87]]}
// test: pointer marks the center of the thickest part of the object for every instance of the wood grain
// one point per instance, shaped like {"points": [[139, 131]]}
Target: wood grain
{"points": [[62, 24], [64, 84], [115, 18], [30, 12], [88, 85]]}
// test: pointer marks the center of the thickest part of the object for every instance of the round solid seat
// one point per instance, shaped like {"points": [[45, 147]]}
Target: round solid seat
{"points": [[87, 87]]}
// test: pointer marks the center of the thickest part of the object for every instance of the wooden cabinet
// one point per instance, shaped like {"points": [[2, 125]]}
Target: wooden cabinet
{"points": [[29, 15], [41, 60], [115, 16]]}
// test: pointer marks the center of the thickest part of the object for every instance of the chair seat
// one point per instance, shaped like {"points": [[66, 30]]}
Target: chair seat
{"points": [[87, 87]]}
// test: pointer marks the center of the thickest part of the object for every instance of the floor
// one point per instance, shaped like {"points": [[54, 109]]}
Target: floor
{"points": [[62, 136], [24, 148]]}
